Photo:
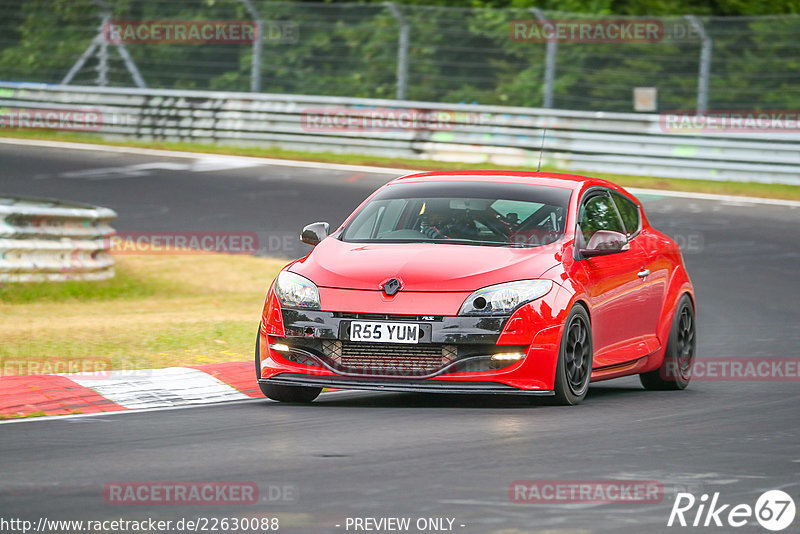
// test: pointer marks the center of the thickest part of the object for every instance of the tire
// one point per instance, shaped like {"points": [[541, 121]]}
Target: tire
{"points": [[298, 394], [675, 371], [574, 368]]}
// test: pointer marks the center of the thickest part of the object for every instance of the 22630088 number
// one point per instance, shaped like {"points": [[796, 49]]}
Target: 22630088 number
{"points": [[235, 524]]}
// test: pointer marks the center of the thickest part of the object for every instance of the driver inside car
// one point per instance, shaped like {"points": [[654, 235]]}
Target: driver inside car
{"points": [[440, 221]]}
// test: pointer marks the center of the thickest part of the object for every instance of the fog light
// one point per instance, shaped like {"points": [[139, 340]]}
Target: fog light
{"points": [[280, 347], [508, 356]]}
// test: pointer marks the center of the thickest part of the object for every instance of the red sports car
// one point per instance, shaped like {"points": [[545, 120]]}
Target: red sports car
{"points": [[481, 282]]}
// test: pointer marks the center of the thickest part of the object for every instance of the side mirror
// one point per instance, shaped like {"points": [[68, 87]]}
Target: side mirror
{"points": [[314, 233], [604, 242]]}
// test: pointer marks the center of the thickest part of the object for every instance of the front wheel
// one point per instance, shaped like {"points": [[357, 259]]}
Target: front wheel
{"points": [[676, 368], [574, 368], [283, 393]]}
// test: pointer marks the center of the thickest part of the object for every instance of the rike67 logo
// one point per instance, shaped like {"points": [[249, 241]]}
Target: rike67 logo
{"points": [[774, 510]]}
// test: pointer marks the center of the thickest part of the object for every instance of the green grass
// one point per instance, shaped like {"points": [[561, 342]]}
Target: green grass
{"points": [[125, 284], [781, 191]]}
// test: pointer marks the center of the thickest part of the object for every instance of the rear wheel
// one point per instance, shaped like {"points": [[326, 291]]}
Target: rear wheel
{"points": [[574, 367], [283, 393], [676, 369]]}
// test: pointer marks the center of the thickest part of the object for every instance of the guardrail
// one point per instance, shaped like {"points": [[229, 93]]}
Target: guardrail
{"points": [[621, 143], [49, 240]]}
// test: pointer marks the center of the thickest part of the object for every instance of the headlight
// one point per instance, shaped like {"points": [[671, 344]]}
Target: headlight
{"points": [[502, 299], [296, 291]]}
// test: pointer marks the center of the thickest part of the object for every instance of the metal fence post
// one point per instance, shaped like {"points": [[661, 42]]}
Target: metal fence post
{"points": [[255, 60], [81, 61], [549, 63], [102, 54], [705, 63], [131, 66], [402, 49], [100, 41]]}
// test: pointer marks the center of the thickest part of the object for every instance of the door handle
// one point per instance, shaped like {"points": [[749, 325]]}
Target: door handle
{"points": [[644, 274]]}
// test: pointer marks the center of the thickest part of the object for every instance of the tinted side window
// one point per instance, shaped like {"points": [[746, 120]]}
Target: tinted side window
{"points": [[629, 212], [599, 214]]}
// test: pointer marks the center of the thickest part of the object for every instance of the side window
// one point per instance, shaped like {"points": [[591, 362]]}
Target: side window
{"points": [[599, 213], [629, 212]]}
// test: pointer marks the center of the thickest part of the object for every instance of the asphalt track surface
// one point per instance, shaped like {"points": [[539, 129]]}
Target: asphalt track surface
{"points": [[362, 454]]}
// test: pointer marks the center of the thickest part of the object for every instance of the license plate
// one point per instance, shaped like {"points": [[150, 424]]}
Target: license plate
{"points": [[384, 332]]}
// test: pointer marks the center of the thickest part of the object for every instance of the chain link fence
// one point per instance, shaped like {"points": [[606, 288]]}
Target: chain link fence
{"points": [[424, 53]]}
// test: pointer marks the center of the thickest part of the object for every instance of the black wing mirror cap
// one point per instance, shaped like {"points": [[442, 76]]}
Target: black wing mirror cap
{"points": [[313, 233]]}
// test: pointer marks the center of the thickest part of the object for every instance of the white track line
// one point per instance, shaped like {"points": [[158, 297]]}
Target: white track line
{"points": [[171, 386], [356, 168]]}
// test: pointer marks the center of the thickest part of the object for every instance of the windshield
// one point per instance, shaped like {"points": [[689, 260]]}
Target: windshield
{"points": [[473, 213]]}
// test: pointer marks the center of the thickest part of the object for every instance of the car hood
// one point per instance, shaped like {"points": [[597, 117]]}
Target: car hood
{"points": [[421, 266]]}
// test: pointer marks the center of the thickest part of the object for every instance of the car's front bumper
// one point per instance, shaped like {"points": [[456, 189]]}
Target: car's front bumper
{"points": [[454, 355]]}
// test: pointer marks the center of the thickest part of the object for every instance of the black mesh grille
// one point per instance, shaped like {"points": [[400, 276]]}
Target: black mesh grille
{"points": [[391, 359]]}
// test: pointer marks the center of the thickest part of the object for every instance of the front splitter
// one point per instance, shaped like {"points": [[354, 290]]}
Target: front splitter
{"points": [[411, 386]]}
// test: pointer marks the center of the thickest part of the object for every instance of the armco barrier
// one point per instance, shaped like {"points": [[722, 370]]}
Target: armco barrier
{"points": [[43, 239], [622, 143]]}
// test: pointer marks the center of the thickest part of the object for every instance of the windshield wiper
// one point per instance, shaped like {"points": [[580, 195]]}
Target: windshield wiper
{"points": [[468, 242]]}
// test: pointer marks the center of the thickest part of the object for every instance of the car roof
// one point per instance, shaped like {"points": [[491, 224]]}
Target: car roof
{"points": [[552, 179]]}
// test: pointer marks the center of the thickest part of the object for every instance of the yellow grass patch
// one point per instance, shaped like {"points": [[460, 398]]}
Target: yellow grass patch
{"points": [[159, 311]]}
